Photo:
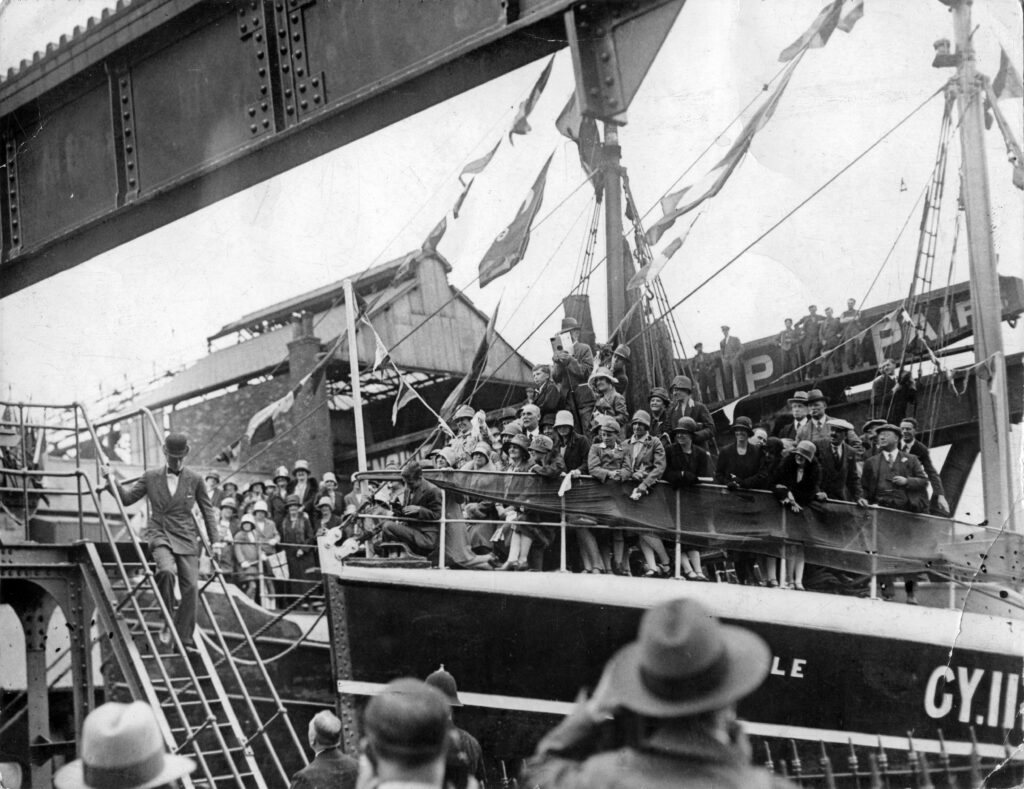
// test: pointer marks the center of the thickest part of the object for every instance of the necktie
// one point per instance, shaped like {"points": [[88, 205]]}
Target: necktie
{"points": [[173, 473]]}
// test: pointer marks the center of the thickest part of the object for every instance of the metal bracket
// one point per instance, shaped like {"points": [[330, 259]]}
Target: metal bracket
{"points": [[125, 140], [302, 88], [12, 226], [613, 45], [252, 27]]}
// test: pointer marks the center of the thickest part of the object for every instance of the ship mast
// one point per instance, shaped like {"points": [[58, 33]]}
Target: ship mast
{"points": [[615, 263], [986, 307]]}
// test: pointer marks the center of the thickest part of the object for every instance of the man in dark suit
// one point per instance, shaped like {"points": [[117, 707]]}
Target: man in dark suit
{"points": [[733, 380], [893, 478], [423, 508], [839, 477], [570, 369], [910, 445], [547, 398], [173, 491], [331, 768], [682, 405]]}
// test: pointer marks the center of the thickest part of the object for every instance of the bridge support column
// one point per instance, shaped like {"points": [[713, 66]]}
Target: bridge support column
{"points": [[957, 467], [35, 621]]}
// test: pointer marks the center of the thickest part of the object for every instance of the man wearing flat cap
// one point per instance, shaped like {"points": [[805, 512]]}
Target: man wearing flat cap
{"points": [[331, 767], [173, 492], [675, 689], [407, 733], [571, 368]]}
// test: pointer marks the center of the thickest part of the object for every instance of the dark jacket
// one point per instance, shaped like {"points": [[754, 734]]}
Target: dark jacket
{"points": [[920, 451], [665, 758], [746, 468], [330, 769], [576, 451], [576, 370], [699, 413], [171, 524], [307, 502], [684, 468], [839, 479], [548, 398], [806, 490], [427, 496], [879, 489]]}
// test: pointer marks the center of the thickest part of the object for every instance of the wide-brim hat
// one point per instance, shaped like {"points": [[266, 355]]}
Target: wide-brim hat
{"points": [[260, 506], [742, 423], [176, 445], [482, 449], [281, 472], [816, 395], [798, 397], [301, 465], [541, 443], [602, 372], [684, 662], [122, 748], [569, 323], [520, 440]]}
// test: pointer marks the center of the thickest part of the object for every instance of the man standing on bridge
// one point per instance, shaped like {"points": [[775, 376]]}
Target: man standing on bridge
{"points": [[172, 531]]}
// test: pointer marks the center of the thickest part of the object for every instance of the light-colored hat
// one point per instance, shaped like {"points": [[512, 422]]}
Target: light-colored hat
{"points": [[481, 449], [604, 421], [122, 748], [603, 372], [564, 419], [260, 506], [447, 453], [463, 412], [642, 417], [839, 424], [282, 471], [229, 502], [247, 518], [326, 501], [890, 427], [541, 443], [798, 397], [684, 662], [806, 450], [520, 440], [329, 477], [212, 475], [512, 428], [301, 465]]}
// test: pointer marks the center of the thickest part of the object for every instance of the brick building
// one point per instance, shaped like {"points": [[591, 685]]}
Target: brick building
{"points": [[258, 358]]}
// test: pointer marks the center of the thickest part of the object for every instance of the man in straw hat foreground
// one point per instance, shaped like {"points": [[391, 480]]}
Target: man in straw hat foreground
{"points": [[675, 687], [173, 491], [121, 748]]}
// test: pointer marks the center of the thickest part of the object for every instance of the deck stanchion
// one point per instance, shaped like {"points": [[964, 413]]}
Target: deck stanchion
{"points": [[679, 529], [874, 554], [782, 553], [565, 533], [444, 528], [952, 581], [78, 480]]}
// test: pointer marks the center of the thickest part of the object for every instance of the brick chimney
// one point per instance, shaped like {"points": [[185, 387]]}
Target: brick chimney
{"points": [[312, 434]]}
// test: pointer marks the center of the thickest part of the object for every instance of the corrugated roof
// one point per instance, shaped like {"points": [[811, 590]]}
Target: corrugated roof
{"points": [[445, 344], [324, 297]]}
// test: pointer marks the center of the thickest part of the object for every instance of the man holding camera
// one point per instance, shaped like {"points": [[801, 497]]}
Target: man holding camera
{"points": [[674, 690]]}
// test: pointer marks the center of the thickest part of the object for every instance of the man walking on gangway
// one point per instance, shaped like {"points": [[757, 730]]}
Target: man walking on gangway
{"points": [[172, 532]]}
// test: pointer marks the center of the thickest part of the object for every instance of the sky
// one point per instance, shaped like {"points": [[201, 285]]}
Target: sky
{"points": [[146, 307]]}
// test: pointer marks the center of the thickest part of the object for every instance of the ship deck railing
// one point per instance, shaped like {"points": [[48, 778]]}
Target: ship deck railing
{"points": [[956, 532]]}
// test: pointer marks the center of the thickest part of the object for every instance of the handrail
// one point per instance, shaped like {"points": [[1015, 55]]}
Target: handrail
{"points": [[280, 710]]}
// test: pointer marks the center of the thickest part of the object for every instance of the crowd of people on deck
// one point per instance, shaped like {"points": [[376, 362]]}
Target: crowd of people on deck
{"points": [[269, 529], [805, 457]]}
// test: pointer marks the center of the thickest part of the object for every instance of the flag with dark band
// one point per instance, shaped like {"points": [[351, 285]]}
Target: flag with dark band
{"points": [[510, 244], [520, 125]]}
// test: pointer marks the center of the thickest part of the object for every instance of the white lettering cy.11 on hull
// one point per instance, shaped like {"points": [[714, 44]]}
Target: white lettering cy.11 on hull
{"points": [[979, 696]]}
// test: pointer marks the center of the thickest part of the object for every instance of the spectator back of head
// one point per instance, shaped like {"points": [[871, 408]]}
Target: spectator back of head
{"points": [[407, 723], [325, 730]]}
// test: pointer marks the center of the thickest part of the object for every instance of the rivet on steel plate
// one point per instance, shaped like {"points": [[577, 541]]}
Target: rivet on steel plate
{"points": [[252, 128], [266, 123], [304, 104], [291, 110], [259, 54], [316, 81]]}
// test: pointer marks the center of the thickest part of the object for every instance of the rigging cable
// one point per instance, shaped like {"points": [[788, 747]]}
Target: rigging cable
{"points": [[805, 201]]}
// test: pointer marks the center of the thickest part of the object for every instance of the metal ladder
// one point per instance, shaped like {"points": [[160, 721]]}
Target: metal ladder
{"points": [[198, 715]]}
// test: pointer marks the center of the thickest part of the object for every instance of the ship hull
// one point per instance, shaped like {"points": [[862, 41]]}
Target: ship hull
{"points": [[522, 645]]}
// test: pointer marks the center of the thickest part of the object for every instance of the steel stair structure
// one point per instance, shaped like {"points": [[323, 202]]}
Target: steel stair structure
{"points": [[206, 709]]}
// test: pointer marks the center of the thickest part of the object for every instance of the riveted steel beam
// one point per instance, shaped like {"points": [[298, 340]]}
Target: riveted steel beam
{"points": [[166, 106]]}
